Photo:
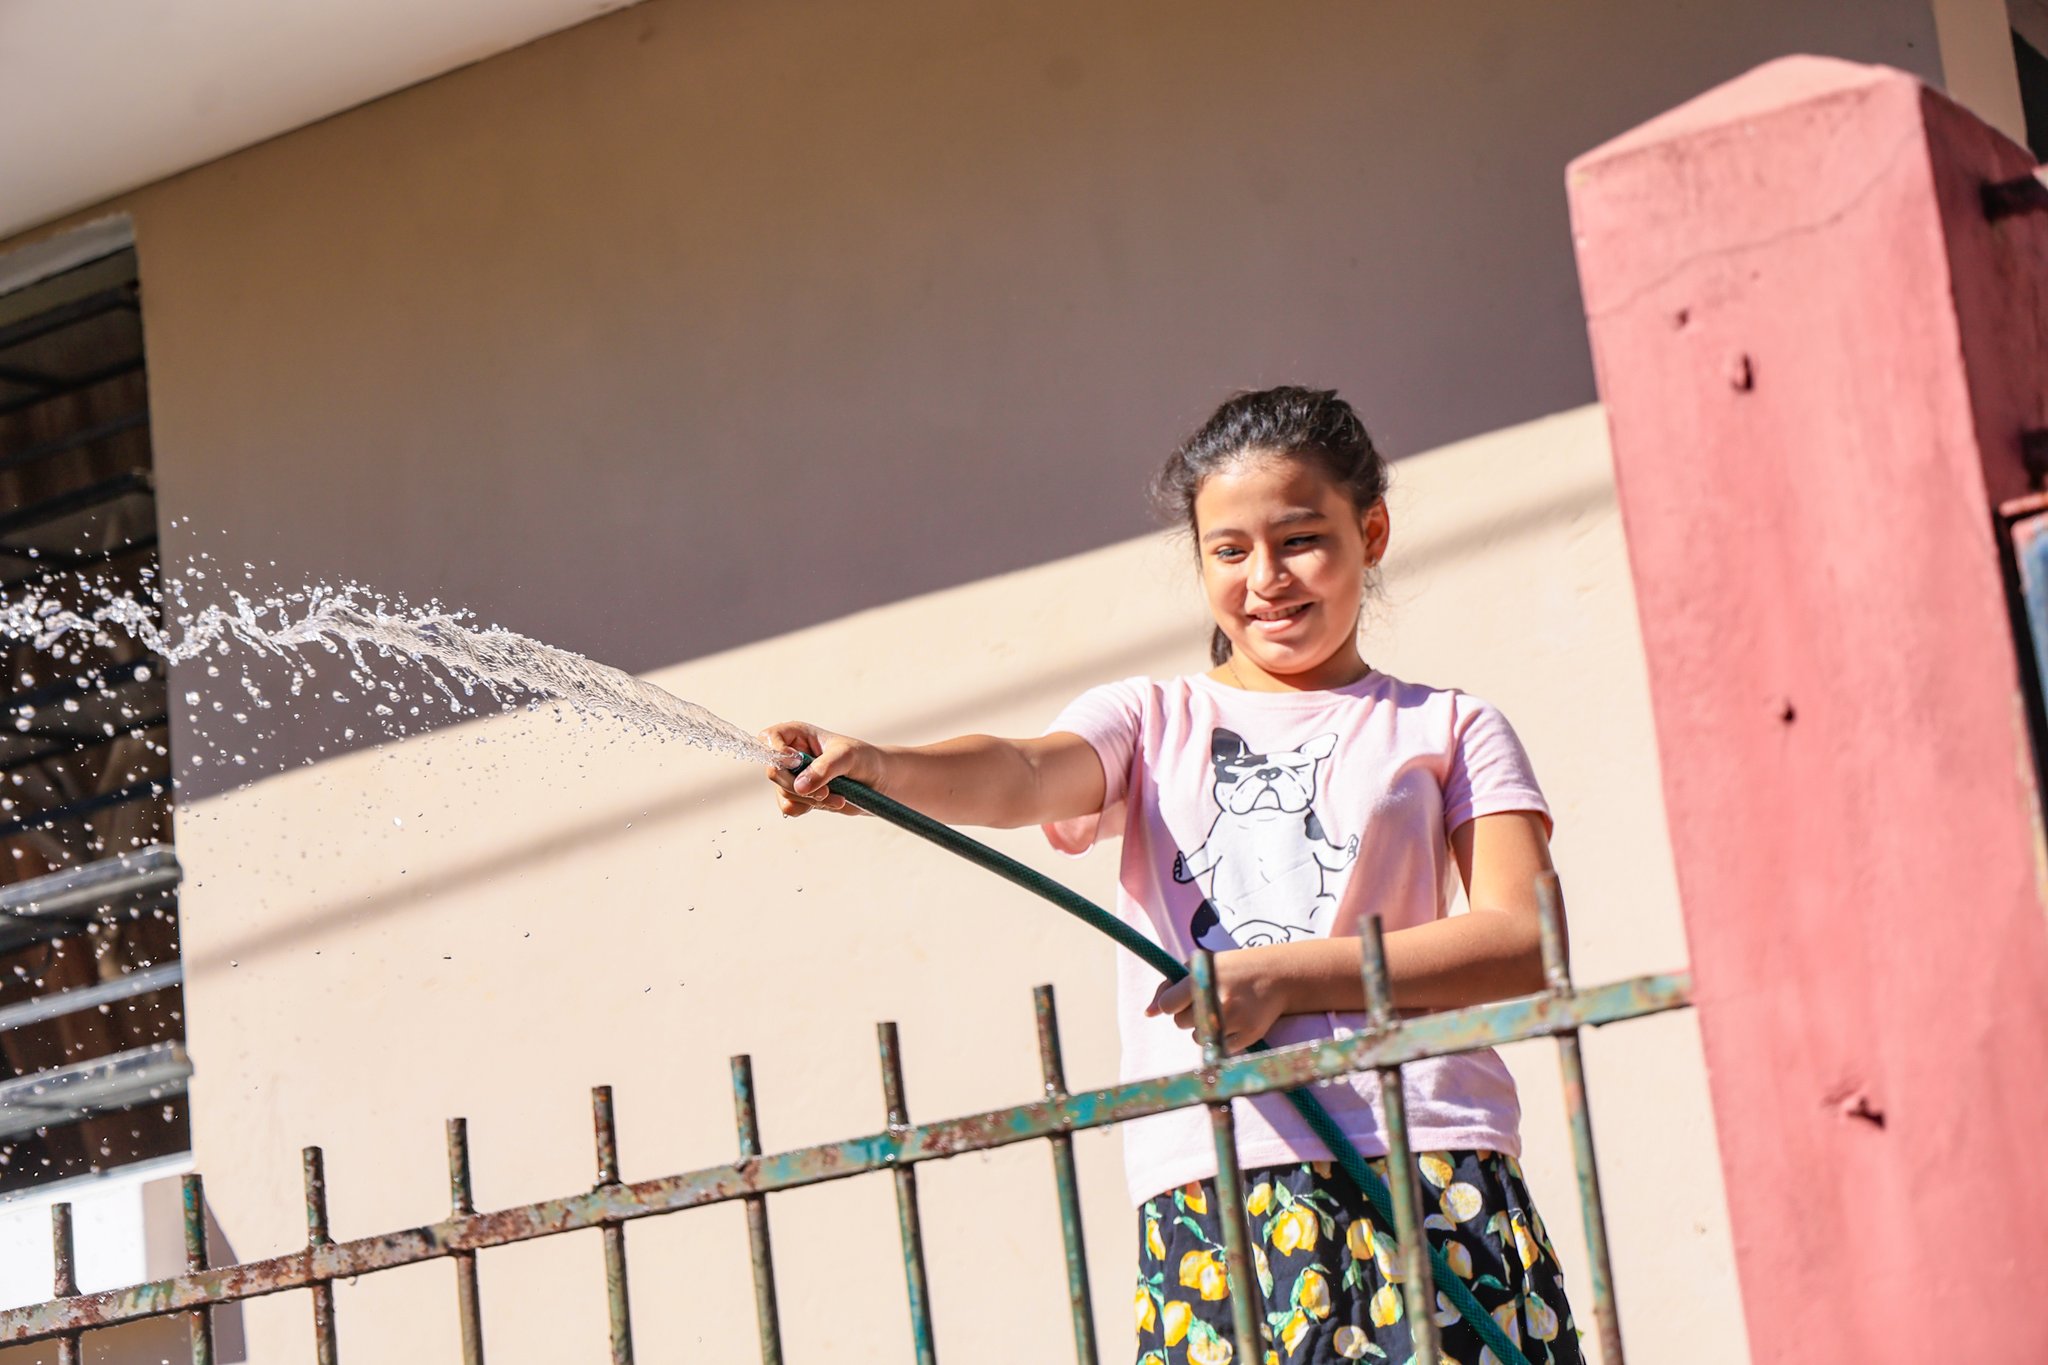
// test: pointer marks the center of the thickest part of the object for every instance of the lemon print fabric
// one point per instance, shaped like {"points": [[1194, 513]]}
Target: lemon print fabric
{"points": [[1329, 1276]]}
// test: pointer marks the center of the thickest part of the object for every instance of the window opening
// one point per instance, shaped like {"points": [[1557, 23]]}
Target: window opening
{"points": [[92, 1061], [2029, 43]]}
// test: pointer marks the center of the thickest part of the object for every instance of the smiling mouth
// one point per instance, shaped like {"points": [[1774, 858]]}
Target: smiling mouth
{"points": [[1277, 616]]}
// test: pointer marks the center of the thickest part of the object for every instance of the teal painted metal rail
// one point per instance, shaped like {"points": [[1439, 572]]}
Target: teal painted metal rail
{"points": [[1560, 1012], [612, 1204]]}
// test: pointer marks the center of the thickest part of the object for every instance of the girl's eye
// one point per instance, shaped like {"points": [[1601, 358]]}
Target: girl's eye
{"points": [[1298, 541], [1229, 554]]}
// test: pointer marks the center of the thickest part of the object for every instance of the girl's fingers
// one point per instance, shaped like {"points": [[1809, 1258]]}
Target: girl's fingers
{"points": [[809, 790], [831, 757], [1170, 998], [786, 736], [787, 739], [798, 737]]}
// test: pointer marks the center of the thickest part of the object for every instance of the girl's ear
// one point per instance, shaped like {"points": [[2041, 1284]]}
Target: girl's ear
{"points": [[1376, 526]]}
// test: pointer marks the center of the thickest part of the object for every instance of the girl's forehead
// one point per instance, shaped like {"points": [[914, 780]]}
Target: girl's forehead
{"points": [[1266, 486]]}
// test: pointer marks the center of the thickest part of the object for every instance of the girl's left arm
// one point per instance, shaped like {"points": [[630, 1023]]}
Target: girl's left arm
{"points": [[1492, 952]]}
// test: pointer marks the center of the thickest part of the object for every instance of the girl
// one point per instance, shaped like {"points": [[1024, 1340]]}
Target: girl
{"points": [[1267, 807]]}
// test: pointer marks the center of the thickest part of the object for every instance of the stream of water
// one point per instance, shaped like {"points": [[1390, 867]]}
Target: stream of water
{"points": [[467, 664], [258, 663]]}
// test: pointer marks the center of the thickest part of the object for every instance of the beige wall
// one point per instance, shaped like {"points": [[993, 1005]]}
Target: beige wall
{"points": [[705, 322]]}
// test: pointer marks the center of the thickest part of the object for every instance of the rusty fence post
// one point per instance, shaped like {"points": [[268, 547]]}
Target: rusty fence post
{"points": [[315, 1171], [462, 1203], [1412, 1249], [760, 1247], [1557, 976], [1052, 1065], [616, 1303], [193, 1191], [1239, 1248], [909, 1222], [64, 1258]]}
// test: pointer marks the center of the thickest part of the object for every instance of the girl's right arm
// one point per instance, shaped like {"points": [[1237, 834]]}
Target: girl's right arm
{"points": [[972, 780]]}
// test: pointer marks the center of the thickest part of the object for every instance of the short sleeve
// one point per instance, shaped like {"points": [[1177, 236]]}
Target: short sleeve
{"points": [[1109, 717], [1490, 771]]}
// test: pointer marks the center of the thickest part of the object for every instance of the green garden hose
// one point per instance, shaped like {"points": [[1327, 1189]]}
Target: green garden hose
{"points": [[1318, 1118]]}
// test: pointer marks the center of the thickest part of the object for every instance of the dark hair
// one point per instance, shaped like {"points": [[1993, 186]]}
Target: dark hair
{"points": [[1302, 424]]}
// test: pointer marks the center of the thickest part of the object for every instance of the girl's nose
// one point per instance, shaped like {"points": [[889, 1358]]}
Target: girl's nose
{"points": [[1267, 570]]}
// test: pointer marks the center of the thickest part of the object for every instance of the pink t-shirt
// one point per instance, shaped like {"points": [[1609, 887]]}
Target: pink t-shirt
{"points": [[1245, 816]]}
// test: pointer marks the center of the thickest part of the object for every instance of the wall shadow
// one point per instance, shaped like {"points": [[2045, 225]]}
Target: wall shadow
{"points": [[701, 323]]}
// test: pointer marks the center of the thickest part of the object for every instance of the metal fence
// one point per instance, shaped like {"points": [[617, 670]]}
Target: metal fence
{"points": [[1560, 1011]]}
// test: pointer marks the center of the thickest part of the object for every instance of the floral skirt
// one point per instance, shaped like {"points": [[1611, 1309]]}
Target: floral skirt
{"points": [[1329, 1273]]}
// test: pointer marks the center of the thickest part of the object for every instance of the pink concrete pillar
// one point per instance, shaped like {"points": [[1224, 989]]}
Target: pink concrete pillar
{"points": [[1818, 357]]}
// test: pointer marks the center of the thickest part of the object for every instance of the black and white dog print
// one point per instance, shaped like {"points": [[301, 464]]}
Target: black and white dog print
{"points": [[1265, 867]]}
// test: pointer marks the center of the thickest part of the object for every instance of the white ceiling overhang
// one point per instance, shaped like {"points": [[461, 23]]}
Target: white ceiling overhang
{"points": [[100, 96]]}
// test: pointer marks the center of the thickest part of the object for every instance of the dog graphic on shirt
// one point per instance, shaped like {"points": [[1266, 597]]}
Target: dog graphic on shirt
{"points": [[1264, 869]]}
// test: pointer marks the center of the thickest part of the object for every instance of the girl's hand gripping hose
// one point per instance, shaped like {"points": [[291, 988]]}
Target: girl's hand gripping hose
{"points": [[865, 798]]}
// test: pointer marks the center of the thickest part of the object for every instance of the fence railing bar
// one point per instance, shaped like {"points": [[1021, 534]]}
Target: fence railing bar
{"points": [[1241, 1280], [616, 1302], [315, 1164], [74, 744], [23, 376], [71, 384], [1053, 1065], [98, 684], [70, 441], [67, 314], [760, 1249], [194, 1193], [1557, 974], [64, 1256], [49, 561], [1257, 1073], [462, 1198], [908, 1220], [127, 484], [93, 885], [91, 805], [66, 1094], [61, 1003], [1418, 1284]]}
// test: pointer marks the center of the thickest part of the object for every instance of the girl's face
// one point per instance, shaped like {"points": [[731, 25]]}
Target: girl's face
{"points": [[1284, 558]]}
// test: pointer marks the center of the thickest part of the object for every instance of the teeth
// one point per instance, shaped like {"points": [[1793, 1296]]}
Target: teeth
{"points": [[1288, 614]]}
